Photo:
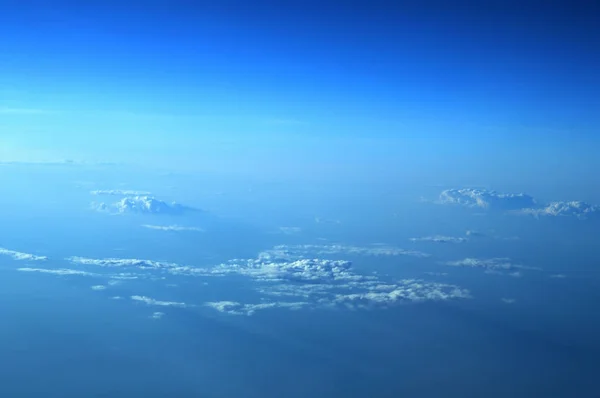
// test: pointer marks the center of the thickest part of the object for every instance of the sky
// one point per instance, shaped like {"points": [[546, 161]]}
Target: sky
{"points": [[432, 91]]}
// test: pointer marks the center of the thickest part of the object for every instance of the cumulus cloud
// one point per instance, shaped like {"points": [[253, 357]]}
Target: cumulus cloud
{"points": [[98, 287], [143, 205], [62, 271], [440, 239], [119, 192], [577, 209], [298, 278], [21, 256], [151, 301], [173, 228], [498, 265], [484, 199]]}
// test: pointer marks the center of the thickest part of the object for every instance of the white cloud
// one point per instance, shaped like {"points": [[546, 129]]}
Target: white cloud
{"points": [[235, 308], [482, 198], [440, 239], [143, 205], [498, 265], [509, 300], [119, 192], [294, 252], [21, 256], [151, 301], [62, 271], [173, 228], [157, 315], [98, 287], [577, 209]]}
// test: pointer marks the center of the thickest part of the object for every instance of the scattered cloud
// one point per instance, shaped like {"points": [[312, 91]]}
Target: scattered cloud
{"points": [[173, 228], [143, 205], [98, 287], [577, 209], [157, 315], [558, 276], [21, 256], [498, 265], [508, 300], [151, 301], [294, 252], [119, 192], [484, 199], [62, 271], [440, 239], [235, 308]]}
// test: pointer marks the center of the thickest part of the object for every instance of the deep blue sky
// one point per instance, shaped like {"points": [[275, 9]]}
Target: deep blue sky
{"points": [[431, 82]]}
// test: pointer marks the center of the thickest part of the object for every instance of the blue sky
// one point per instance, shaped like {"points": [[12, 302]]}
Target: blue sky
{"points": [[359, 87]]}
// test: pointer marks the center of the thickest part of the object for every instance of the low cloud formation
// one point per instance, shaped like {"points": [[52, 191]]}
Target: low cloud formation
{"points": [[440, 239], [143, 205], [157, 315], [151, 301], [21, 256], [62, 271], [298, 278], [484, 199], [235, 308], [577, 209], [120, 192], [173, 228], [499, 265], [518, 203], [295, 252], [98, 287], [509, 300]]}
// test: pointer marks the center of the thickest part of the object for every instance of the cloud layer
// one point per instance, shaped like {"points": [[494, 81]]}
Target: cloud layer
{"points": [[577, 209]]}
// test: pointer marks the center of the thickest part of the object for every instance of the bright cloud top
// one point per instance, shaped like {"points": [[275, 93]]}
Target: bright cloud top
{"points": [[577, 209], [482, 198], [21, 256], [143, 205], [62, 271], [298, 278], [496, 265]]}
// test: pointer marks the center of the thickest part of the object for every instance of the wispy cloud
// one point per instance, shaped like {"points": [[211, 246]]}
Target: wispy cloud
{"points": [[440, 239], [498, 265], [119, 192], [62, 271], [151, 301], [173, 228], [484, 199], [21, 256]]}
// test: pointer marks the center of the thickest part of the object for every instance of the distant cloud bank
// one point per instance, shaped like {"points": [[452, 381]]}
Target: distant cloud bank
{"points": [[119, 192], [173, 228], [516, 203]]}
